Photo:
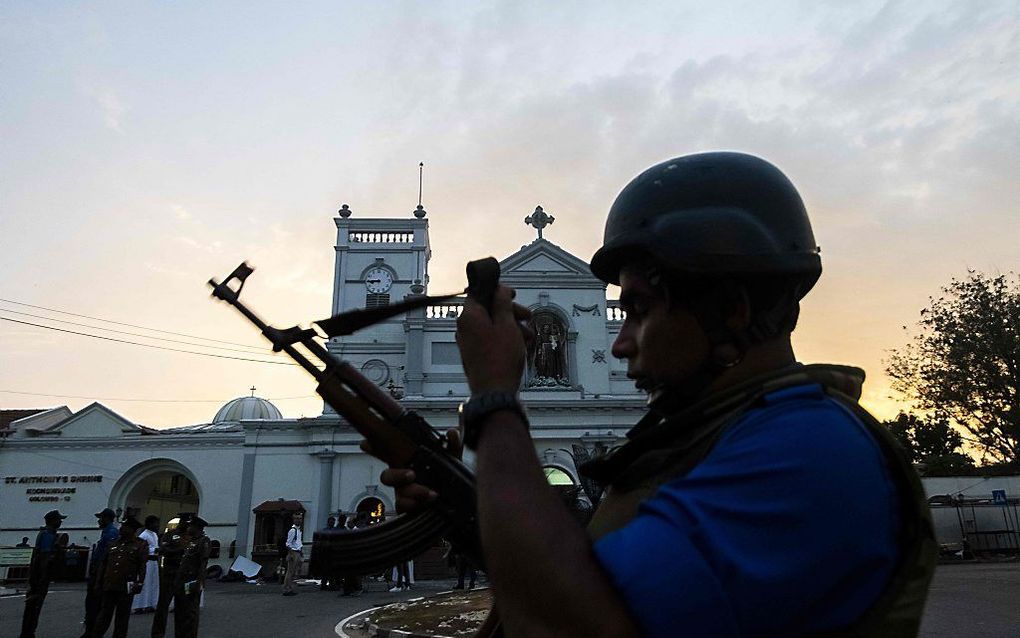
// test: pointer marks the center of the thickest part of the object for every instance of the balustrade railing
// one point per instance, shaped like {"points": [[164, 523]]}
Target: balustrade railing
{"points": [[379, 237], [614, 312], [444, 311]]}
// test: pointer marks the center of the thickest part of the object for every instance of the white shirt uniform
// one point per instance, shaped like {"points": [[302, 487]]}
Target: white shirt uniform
{"points": [[294, 538]]}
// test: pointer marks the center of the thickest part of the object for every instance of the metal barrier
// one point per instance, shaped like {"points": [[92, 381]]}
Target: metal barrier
{"points": [[983, 526]]}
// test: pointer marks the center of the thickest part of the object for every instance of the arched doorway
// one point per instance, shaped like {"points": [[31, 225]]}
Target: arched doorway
{"points": [[160, 487], [370, 510]]}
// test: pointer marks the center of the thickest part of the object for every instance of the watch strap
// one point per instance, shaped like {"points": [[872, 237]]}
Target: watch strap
{"points": [[477, 409]]}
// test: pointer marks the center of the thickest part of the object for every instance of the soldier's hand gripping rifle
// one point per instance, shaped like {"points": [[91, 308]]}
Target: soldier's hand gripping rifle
{"points": [[398, 436]]}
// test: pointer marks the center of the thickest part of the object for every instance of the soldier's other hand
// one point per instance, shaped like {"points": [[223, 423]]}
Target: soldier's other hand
{"points": [[493, 346], [411, 495]]}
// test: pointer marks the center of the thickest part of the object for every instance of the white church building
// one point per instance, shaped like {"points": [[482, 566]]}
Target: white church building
{"points": [[250, 468]]}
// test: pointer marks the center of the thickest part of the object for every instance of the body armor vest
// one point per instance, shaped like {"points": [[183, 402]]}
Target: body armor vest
{"points": [[664, 448]]}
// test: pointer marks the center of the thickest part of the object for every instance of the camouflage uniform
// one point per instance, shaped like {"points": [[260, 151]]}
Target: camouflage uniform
{"points": [[171, 548], [189, 585], [122, 570]]}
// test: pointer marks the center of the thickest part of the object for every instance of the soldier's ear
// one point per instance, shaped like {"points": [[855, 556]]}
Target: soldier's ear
{"points": [[736, 307]]}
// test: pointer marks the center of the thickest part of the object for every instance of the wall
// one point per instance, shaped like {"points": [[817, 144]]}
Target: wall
{"points": [[214, 461]]}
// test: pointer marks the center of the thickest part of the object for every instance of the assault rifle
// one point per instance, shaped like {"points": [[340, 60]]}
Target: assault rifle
{"points": [[398, 436]]}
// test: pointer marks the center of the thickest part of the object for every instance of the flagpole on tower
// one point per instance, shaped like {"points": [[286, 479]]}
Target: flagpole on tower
{"points": [[419, 212], [421, 170]]}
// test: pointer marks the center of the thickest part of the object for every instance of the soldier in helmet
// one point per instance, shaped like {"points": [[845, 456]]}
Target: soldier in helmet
{"points": [[756, 497]]}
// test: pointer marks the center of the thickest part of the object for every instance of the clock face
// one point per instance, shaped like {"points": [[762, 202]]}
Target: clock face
{"points": [[378, 280]]}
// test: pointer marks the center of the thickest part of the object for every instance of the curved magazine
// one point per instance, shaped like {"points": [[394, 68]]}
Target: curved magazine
{"points": [[372, 549]]}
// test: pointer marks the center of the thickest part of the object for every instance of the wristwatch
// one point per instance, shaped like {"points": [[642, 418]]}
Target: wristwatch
{"points": [[474, 412]]}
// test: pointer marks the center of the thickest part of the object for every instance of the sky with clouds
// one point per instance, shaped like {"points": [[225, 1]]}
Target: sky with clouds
{"points": [[149, 146]]}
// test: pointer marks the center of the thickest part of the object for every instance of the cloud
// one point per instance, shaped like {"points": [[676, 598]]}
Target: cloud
{"points": [[176, 273], [898, 127], [213, 247], [112, 109], [897, 121]]}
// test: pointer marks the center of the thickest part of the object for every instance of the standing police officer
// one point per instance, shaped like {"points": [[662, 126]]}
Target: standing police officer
{"points": [[93, 596], [47, 556], [120, 576], [171, 549], [191, 579], [756, 497]]}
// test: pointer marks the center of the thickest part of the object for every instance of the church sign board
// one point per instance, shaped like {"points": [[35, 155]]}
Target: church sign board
{"points": [[53, 488]]}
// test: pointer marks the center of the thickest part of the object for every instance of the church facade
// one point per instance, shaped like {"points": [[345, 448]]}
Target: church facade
{"points": [[250, 469]]}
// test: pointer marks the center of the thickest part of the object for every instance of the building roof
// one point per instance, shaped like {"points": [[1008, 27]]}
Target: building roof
{"points": [[225, 426], [9, 416], [244, 408]]}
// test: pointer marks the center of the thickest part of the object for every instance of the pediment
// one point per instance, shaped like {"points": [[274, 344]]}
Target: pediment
{"points": [[542, 263], [94, 421], [542, 257]]}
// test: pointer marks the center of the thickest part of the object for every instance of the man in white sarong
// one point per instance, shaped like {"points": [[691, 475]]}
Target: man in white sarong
{"points": [[146, 600]]}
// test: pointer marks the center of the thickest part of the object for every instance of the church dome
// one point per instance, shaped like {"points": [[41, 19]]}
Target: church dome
{"points": [[247, 408]]}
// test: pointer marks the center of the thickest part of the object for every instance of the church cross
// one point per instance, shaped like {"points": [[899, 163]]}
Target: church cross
{"points": [[539, 220], [252, 390]]}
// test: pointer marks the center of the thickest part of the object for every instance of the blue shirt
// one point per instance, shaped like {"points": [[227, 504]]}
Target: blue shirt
{"points": [[45, 541], [106, 538], [788, 527]]}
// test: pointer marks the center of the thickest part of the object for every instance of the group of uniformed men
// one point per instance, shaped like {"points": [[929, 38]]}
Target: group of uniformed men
{"points": [[117, 571]]}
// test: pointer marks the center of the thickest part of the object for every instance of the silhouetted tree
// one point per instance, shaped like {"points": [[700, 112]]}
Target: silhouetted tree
{"points": [[932, 443], [964, 366]]}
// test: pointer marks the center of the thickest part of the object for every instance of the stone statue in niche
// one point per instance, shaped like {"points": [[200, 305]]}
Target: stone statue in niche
{"points": [[548, 360]]}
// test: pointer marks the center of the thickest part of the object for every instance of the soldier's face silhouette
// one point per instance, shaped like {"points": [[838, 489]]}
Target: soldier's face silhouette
{"points": [[663, 345]]}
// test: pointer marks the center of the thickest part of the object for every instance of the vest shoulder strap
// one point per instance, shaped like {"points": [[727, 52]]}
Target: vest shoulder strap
{"points": [[898, 610]]}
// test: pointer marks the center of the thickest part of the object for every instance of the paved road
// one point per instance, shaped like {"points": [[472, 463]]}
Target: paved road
{"points": [[972, 601], [232, 610]]}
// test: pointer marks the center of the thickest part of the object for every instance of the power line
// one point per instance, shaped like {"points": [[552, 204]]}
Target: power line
{"points": [[90, 398], [130, 325], [133, 334], [148, 345]]}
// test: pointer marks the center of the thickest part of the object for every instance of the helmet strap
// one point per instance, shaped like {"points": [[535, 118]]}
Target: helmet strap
{"points": [[727, 348], [769, 323]]}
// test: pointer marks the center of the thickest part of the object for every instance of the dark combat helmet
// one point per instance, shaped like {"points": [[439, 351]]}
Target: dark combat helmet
{"points": [[718, 214]]}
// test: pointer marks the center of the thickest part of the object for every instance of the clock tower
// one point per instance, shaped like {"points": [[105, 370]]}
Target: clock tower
{"points": [[378, 261]]}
